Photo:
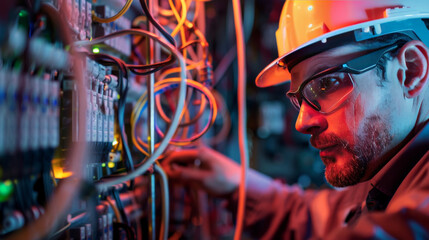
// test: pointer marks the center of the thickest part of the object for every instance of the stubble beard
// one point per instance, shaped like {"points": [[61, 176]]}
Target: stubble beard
{"points": [[370, 145]]}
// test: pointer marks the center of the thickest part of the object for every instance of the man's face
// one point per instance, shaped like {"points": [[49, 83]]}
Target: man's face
{"points": [[355, 136]]}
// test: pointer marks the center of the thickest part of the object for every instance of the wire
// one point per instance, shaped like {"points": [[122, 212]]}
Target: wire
{"points": [[201, 36], [156, 23], [120, 206], [129, 162], [183, 39], [202, 40], [180, 19], [198, 65], [189, 43], [153, 67], [158, 104], [165, 200], [185, 130], [79, 219], [115, 17], [105, 183], [165, 12], [187, 122], [212, 104], [65, 193], [123, 90], [60, 231], [115, 210], [176, 70], [162, 86], [241, 95], [196, 12], [139, 20], [157, 66]]}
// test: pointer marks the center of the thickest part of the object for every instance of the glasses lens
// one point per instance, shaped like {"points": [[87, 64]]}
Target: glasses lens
{"points": [[329, 91]]}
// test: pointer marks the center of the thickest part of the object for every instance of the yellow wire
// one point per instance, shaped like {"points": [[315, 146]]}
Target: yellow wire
{"points": [[165, 12], [183, 39], [113, 18], [180, 20], [140, 19]]}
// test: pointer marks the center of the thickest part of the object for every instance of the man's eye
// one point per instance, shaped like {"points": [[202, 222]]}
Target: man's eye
{"points": [[327, 84]]}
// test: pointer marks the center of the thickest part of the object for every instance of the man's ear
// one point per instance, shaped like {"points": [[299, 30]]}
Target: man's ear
{"points": [[414, 73]]}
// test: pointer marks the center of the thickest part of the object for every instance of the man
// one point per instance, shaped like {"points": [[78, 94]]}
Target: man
{"points": [[359, 76]]}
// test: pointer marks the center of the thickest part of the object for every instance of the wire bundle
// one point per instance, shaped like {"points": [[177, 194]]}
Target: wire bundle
{"points": [[161, 87], [164, 84], [193, 75]]}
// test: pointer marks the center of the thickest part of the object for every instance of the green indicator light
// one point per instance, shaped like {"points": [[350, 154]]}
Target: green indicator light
{"points": [[103, 164], [23, 13], [96, 50], [6, 189]]}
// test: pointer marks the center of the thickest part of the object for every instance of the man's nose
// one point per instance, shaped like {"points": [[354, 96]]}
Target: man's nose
{"points": [[309, 120]]}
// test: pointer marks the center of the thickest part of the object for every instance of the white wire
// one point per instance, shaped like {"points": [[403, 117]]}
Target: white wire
{"points": [[165, 199], [102, 186]]}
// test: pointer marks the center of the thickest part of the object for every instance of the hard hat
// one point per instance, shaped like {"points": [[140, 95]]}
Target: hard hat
{"points": [[309, 27]]}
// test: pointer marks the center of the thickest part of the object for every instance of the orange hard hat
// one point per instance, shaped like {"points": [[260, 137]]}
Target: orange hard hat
{"points": [[309, 27]]}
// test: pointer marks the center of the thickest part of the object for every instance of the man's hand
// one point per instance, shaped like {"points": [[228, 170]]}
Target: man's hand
{"points": [[205, 168]]}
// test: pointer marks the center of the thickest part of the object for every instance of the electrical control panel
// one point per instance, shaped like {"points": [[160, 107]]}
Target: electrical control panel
{"points": [[91, 95]]}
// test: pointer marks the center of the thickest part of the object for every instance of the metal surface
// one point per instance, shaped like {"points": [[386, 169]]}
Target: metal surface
{"points": [[151, 126]]}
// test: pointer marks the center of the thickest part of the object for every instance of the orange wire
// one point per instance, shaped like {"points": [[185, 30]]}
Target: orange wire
{"points": [[241, 94], [212, 102], [164, 116], [187, 117], [213, 106]]}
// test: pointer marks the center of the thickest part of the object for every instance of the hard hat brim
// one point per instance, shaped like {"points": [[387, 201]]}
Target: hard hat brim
{"points": [[278, 71]]}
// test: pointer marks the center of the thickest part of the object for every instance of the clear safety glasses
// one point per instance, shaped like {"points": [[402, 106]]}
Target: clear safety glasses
{"points": [[328, 89]]}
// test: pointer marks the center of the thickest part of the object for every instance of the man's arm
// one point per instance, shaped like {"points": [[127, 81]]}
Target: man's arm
{"points": [[273, 210]]}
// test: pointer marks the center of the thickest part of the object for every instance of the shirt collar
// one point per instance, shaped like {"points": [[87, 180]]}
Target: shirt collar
{"points": [[388, 179]]}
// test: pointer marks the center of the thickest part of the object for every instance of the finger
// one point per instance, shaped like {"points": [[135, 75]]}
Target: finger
{"points": [[211, 158], [185, 156], [187, 174], [206, 153]]}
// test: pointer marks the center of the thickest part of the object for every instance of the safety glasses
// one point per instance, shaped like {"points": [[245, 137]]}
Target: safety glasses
{"points": [[328, 89]]}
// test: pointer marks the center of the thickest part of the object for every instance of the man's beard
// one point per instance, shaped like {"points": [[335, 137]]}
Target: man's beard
{"points": [[370, 145]]}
